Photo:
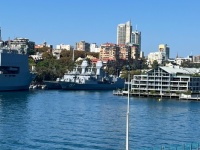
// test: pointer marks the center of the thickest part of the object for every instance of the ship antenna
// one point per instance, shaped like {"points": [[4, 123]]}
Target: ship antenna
{"points": [[9, 45], [0, 34]]}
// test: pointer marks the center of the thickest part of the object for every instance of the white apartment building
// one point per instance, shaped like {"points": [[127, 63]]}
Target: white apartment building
{"points": [[164, 80], [161, 55], [64, 47], [158, 56], [180, 60], [124, 33], [21, 43], [94, 48]]}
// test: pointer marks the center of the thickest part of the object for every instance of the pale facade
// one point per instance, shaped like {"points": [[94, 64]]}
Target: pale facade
{"points": [[109, 51], [82, 46], [196, 59], [180, 60], [163, 48], [163, 80], [128, 32], [94, 48], [22, 43], [129, 52], [158, 56], [64, 47], [124, 33], [136, 39], [123, 54], [135, 52]]}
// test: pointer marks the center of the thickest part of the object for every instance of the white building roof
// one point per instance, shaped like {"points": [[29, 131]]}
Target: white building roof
{"points": [[177, 69]]}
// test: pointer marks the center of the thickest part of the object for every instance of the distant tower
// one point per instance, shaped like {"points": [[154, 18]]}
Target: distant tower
{"points": [[124, 33], [121, 34], [128, 32], [136, 38]]}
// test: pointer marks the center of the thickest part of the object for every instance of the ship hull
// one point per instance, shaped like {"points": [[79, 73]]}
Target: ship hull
{"points": [[76, 86], [12, 88], [14, 71], [51, 85], [15, 83]]}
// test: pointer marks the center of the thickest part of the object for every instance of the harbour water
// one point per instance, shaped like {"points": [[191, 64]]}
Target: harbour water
{"points": [[82, 120]]}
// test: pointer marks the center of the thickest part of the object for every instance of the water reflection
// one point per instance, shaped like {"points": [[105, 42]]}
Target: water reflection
{"points": [[13, 117]]}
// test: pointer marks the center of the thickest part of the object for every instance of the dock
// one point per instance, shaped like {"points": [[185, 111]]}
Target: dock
{"points": [[195, 97], [190, 97]]}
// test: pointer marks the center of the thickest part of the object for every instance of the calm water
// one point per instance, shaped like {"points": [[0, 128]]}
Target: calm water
{"points": [[80, 120]]}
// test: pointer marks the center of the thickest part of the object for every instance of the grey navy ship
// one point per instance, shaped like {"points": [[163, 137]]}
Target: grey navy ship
{"points": [[14, 70], [87, 78]]}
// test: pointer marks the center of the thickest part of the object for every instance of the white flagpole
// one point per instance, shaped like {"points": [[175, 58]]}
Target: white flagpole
{"points": [[127, 115]]}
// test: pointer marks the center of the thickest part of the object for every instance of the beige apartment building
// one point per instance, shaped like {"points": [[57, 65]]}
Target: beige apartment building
{"points": [[83, 46], [109, 51]]}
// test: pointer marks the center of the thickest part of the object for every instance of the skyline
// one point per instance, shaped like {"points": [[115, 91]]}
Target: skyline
{"points": [[174, 23]]}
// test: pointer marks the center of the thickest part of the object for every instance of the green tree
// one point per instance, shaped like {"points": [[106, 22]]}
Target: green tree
{"points": [[155, 64]]}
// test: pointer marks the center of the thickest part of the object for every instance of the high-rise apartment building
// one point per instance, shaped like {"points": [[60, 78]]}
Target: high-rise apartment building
{"points": [[136, 39], [124, 33]]}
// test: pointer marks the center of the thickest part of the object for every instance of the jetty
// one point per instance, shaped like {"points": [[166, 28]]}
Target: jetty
{"points": [[195, 97], [190, 97]]}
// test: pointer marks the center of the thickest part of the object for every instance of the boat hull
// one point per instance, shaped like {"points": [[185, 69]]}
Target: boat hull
{"points": [[14, 83], [76, 86], [52, 85], [14, 70]]}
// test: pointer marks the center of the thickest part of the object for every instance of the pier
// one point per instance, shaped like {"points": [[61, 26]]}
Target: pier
{"points": [[195, 97]]}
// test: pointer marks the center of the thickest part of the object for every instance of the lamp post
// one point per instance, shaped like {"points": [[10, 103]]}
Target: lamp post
{"points": [[127, 114]]}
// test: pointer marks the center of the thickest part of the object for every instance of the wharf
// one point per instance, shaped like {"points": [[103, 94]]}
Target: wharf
{"points": [[168, 95], [190, 97]]}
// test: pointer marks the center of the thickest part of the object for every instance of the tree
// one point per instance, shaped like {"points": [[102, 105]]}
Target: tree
{"points": [[155, 64]]}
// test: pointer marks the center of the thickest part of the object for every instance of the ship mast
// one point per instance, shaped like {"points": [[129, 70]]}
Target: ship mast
{"points": [[0, 34], [1, 42]]}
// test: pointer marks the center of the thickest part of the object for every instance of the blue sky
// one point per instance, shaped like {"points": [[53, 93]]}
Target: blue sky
{"points": [[172, 22]]}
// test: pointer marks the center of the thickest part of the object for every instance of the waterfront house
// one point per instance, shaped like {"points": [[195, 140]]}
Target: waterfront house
{"points": [[172, 80]]}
